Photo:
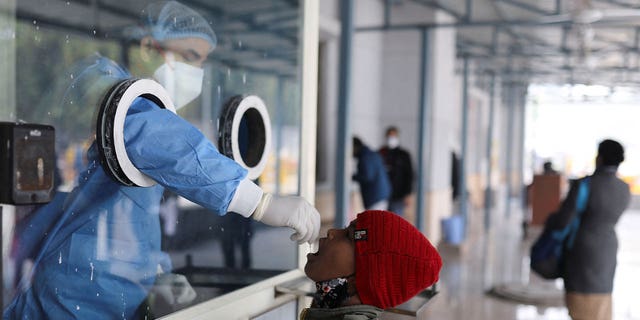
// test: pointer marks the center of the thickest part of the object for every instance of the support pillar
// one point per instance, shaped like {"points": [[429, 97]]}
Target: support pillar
{"points": [[465, 130], [423, 130], [343, 178]]}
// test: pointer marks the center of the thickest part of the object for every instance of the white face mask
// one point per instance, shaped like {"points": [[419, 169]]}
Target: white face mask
{"points": [[182, 81], [393, 142]]}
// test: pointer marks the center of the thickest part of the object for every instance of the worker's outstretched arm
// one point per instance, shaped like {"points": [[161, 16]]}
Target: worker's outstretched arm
{"points": [[178, 156]]}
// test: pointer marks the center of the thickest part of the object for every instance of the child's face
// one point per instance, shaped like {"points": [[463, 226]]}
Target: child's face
{"points": [[335, 257]]}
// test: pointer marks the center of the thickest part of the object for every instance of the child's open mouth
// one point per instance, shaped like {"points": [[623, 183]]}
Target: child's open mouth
{"points": [[315, 254]]}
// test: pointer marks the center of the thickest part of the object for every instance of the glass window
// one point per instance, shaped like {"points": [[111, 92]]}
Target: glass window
{"points": [[102, 248]]}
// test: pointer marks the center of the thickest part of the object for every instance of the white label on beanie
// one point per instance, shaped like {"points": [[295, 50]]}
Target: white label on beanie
{"points": [[360, 234]]}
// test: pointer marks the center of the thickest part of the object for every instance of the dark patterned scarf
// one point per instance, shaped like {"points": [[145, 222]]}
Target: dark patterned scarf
{"points": [[331, 293]]}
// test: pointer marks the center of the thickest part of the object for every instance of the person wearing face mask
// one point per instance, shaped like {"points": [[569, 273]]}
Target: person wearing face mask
{"points": [[97, 248], [182, 81], [398, 164]]}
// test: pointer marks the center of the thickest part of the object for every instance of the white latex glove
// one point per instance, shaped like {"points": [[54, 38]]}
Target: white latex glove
{"points": [[293, 212]]}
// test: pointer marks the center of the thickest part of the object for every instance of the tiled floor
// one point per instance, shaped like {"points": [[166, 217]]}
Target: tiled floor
{"points": [[500, 257]]}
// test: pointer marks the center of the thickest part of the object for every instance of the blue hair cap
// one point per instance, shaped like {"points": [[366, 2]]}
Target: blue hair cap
{"points": [[172, 20]]}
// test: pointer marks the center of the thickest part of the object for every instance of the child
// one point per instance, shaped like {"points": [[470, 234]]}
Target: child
{"points": [[379, 261]]}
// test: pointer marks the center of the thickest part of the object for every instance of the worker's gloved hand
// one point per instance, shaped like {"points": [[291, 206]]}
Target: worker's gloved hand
{"points": [[291, 211]]}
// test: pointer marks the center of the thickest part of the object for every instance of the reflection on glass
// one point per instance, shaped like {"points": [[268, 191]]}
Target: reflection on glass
{"points": [[101, 250]]}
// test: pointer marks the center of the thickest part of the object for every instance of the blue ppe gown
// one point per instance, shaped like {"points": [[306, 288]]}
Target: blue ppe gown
{"points": [[97, 249]]}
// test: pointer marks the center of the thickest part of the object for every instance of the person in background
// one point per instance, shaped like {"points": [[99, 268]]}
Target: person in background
{"points": [[97, 248], [371, 176], [540, 186], [547, 168], [379, 261], [590, 265], [397, 160]]}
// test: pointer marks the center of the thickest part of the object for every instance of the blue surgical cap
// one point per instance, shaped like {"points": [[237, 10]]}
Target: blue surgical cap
{"points": [[173, 20]]}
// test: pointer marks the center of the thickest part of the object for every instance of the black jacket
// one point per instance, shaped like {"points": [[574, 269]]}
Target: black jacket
{"points": [[398, 164]]}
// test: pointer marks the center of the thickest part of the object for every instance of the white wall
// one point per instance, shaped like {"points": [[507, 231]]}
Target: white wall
{"points": [[328, 92], [400, 100], [329, 9], [478, 123], [366, 79], [447, 105]]}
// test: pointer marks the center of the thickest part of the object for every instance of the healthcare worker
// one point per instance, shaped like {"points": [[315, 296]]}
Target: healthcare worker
{"points": [[96, 249]]}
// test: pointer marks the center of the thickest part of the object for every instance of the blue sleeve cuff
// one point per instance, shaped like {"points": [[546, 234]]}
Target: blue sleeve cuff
{"points": [[246, 198]]}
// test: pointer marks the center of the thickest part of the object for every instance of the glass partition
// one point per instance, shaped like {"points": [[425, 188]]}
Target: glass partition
{"points": [[100, 248]]}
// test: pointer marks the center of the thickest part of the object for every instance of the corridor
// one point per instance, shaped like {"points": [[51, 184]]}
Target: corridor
{"points": [[501, 258]]}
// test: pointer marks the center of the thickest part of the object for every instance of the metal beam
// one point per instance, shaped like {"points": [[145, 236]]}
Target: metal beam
{"points": [[279, 115], [263, 53], [463, 154], [521, 104], [124, 54], [619, 44], [252, 12], [473, 43], [565, 37], [342, 178], [509, 147], [244, 18], [543, 56], [549, 52], [437, 5], [387, 12], [273, 72], [526, 6], [534, 40], [620, 4], [492, 24], [595, 72], [516, 36], [495, 43], [423, 129], [499, 56], [636, 43], [488, 193]]}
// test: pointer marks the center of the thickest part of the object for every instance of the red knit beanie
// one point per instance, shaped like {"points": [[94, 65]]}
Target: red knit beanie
{"points": [[394, 261]]}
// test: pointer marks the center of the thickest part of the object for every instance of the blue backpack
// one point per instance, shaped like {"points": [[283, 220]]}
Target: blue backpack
{"points": [[546, 252]]}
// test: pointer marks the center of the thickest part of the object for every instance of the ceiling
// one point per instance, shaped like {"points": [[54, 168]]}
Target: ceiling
{"points": [[543, 41]]}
